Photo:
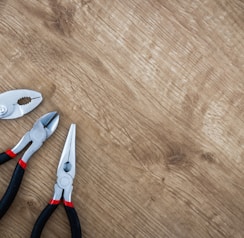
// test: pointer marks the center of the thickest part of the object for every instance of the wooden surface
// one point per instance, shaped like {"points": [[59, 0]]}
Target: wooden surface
{"points": [[156, 90]]}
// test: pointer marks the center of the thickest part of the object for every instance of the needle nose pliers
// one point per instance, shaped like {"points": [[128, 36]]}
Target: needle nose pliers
{"points": [[62, 189], [41, 131]]}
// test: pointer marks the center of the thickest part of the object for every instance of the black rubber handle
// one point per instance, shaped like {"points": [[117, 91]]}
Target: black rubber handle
{"points": [[12, 190], [42, 219], [74, 222], [4, 158]]}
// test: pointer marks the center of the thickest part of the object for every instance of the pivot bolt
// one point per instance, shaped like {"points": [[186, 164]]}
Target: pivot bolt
{"points": [[3, 109]]}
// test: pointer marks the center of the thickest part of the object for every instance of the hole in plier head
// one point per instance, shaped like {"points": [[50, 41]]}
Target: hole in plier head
{"points": [[67, 166], [24, 100]]}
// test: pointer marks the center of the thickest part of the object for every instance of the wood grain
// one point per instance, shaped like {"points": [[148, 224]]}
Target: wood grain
{"points": [[156, 90]]}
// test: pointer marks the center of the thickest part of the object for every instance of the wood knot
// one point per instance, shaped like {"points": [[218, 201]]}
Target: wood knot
{"points": [[208, 156], [31, 203], [176, 157], [63, 17]]}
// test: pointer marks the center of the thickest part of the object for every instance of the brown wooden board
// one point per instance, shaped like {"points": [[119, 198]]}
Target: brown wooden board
{"points": [[156, 90]]}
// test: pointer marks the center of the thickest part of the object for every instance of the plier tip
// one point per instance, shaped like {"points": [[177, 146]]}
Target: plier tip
{"points": [[67, 159]]}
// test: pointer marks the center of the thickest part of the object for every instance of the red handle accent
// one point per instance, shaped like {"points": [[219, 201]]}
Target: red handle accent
{"points": [[10, 153], [68, 204], [22, 164], [54, 202]]}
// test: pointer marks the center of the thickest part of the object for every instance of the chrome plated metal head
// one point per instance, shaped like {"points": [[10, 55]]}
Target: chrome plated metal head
{"points": [[67, 160], [16, 103], [66, 168], [43, 128], [49, 122]]}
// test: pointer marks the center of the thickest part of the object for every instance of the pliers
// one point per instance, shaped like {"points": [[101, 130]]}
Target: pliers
{"points": [[62, 189], [42, 129], [16, 103]]}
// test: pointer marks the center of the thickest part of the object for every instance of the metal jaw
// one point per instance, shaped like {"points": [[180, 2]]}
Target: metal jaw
{"points": [[11, 105], [66, 168], [41, 130]]}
